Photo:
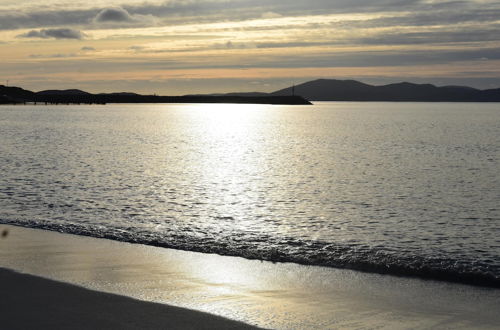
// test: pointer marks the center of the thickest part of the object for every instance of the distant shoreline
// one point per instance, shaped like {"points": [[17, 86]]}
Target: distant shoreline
{"points": [[277, 100], [16, 95], [242, 102], [315, 90]]}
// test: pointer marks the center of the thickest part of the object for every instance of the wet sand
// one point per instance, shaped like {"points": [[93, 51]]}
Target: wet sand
{"points": [[264, 294], [30, 302]]}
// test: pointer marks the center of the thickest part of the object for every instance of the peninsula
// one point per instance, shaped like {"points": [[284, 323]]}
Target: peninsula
{"points": [[17, 95]]}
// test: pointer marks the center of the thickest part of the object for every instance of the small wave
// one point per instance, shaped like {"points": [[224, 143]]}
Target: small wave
{"points": [[315, 253]]}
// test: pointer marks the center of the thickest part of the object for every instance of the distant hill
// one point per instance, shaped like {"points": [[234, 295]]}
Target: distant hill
{"points": [[246, 94], [16, 95], [351, 90], [63, 92], [6, 100], [120, 94]]}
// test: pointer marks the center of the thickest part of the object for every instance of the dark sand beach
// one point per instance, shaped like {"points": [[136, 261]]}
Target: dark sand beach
{"points": [[150, 280], [31, 302]]}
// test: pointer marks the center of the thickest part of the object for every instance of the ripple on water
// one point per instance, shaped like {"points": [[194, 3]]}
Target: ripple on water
{"points": [[320, 185]]}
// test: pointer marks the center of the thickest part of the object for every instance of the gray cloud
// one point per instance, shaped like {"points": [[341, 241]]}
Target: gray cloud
{"points": [[301, 44], [137, 49], [327, 60], [51, 56], [259, 8], [233, 45], [120, 16], [117, 14], [377, 58], [62, 33], [87, 49], [414, 38], [11, 20], [460, 14], [335, 59]]}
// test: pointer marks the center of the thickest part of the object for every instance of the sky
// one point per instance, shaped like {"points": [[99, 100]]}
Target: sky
{"points": [[175, 47]]}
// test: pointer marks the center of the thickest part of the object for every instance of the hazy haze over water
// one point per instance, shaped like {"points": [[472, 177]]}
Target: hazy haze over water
{"points": [[397, 187]]}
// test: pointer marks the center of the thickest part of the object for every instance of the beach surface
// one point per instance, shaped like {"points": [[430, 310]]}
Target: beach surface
{"points": [[37, 303], [91, 273]]}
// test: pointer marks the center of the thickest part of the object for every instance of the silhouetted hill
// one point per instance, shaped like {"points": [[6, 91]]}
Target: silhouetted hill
{"points": [[63, 92], [15, 94], [120, 94], [12, 95], [325, 90], [245, 94], [492, 93], [351, 90], [6, 100]]}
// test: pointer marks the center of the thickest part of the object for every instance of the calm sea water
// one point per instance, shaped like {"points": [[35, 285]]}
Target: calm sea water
{"points": [[403, 188]]}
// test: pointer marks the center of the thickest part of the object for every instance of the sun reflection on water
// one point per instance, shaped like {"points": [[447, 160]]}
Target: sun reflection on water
{"points": [[222, 119], [229, 160]]}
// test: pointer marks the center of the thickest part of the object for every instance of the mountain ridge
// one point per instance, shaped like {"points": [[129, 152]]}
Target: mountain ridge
{"points": [[352, 90], [314, 90]]}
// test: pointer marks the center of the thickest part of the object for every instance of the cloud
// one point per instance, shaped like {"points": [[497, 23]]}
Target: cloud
{"points": [[233, 45], [35, 18], [87, 49], [120, 15], [10, 20], [414, 38], [270, 14], [117, 14], [137, 48], [52, 56], [62, 33], [415, 12], [185, 11]]}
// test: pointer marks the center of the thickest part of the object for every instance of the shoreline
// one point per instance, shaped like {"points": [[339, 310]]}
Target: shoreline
{"points": [[260, 293], [77, 99], [34, 302], [485, 280]]}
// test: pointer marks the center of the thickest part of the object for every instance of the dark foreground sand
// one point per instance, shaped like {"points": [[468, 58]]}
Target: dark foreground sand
{"points": [[31, 302], [264, 294]]}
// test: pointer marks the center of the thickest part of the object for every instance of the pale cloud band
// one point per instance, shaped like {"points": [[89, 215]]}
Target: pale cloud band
{"points": [[415, 12]]}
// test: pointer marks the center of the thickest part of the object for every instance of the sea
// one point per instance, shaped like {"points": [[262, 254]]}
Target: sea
{"points": [[408, 189]]}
